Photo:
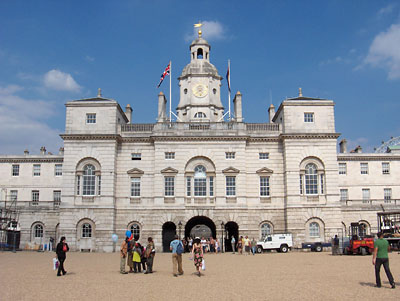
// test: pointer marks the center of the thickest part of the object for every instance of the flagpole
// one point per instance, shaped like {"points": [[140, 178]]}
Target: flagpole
{"points": [[170, 97], [229, 90]]}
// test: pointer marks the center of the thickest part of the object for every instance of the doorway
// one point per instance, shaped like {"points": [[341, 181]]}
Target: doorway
{"points": [[168, 235], [231, 229]]}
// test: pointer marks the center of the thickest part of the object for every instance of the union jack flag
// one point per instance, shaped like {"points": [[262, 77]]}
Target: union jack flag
{"points": [[164, 74]]}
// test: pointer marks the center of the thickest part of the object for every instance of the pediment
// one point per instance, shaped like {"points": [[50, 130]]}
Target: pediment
{"points": [[264, 170], [135, 171], [169, 170], [231, 170]]}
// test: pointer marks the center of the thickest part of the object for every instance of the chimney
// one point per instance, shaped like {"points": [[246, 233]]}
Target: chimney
{"points": [[343, 146], [358, 150], [26, 152], [128, 113], [43, 150], [237, 103], [162, 102], [271, 112], [61, 151]]}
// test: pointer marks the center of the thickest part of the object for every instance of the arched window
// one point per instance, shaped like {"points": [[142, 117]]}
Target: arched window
{"points": [[314, 229], [311, 177], [89, 180], [86, 230], [200, 53], [200, 115], [266, 230], [135, 229], [200, 181], [38, 231]]}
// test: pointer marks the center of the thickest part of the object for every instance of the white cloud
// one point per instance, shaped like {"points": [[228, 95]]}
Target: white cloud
{"points": [[386, 10], [22, 123], [58, 80], [211, 30], [384, 51], [89, 58]]}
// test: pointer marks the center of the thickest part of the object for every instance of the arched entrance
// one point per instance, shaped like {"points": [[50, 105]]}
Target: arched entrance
{"points": [[231, 229], [168, 233], [200, 226]]}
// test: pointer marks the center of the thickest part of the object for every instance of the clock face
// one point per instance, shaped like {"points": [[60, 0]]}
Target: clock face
{"points": [[200, 90]]}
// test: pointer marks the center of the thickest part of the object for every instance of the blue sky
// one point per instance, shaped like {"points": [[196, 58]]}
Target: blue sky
{"points": [[55, 51]]}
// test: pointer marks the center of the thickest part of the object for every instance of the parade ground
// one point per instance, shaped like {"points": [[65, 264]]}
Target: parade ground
{"points": [[270, 276]]}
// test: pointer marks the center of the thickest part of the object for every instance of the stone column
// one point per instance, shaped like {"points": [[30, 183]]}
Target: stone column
{"points": [[162, 103], [237, 102]]}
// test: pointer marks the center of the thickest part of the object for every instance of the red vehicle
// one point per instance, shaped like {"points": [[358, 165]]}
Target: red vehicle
{"points": [[359, 242]]}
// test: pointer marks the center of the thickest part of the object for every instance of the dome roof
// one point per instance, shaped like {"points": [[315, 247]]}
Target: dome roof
{"points": [[200, 67], [387, 145], [200, 41]]}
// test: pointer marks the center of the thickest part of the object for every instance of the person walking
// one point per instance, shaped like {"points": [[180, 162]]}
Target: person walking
{"points": [[240, 245], [253, 246], [177, 249], [335, 247], [130, 244], [233, 244], [124, 252], [61, 250], [246, 242], [150, 253], [137, 260], [197, 255], [380, 257]]}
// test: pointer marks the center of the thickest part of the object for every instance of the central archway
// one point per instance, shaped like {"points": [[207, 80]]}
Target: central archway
{"points": [[168, 233], [200, 226]]}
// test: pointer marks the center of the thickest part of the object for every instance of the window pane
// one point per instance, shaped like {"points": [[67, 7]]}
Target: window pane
{"points": [[14, 195], [265, 230], [342, 168], [38, 231], [308, 117], [263, 156], [311, 179], [169, 186], [211, 186], [58, 170], [230, 155], [89, 180], [230, 185], [91, 118], [343, 194], [188, 186], [169, 155], [36, 169], [86, 230], [364, 168], [135, 187], [264, 186], [314, 230], [135, 229], [387, 194], [15, 170], [35, 197], [366, 195], [385, 168]]}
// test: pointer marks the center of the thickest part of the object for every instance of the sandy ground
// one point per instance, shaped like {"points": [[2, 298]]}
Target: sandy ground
{"points": [[269, 276]]}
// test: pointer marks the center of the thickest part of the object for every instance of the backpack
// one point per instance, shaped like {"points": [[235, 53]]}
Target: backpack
{"points": [[179, 248]]}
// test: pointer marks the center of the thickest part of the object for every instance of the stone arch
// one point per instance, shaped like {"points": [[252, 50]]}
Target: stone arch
{"points": [[34, 228], [200, 160], [312, 159], [84, 242], [88, 160], [263, 232], [136, 235], [321, 227]]}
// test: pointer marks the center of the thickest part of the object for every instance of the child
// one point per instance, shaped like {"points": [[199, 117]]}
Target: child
{"points": [[143, 257], [137, 258]]}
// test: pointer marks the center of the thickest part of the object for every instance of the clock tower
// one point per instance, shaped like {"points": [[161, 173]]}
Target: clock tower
{"points": [[200, 86]]}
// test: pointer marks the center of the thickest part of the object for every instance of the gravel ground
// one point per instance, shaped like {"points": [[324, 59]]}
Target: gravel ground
{"points": [[270, 276]]}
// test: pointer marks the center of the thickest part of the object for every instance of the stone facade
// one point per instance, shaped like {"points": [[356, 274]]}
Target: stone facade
{"points": [[236, 178]]}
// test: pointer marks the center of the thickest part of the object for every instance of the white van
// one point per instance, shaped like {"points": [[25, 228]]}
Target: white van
{"points": [[279, 242]]}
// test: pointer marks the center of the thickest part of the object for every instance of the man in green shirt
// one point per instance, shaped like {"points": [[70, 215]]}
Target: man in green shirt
{"points": [[381, 248]]}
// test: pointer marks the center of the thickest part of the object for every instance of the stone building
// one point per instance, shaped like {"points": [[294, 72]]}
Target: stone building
{"points": [[200, 173]]}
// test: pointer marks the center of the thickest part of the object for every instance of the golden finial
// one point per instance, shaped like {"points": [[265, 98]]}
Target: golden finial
{"points": [[300, 93], [199, 25], [99, 92]]}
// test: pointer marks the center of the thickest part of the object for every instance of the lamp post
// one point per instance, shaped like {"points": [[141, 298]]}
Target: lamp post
{"points": [[222, 233], [179, 228]]}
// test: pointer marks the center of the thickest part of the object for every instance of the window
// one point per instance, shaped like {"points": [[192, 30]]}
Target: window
{"points": [[365, 195], [265, 230], [35, 197], [301, 184], [263, 156], [200, 181], [314, 229], [89, 180], [169, 186], [200, 115], [322, 182], [38, 231], [78, 185], [135, 187], [387, 195], [58, 170], [86, 230], [211, 186], [135, 229], [308, 117], [14, 195], [364, 168], [188, 186], [311, 178], [385, 168], [169, 156], [342, 168], [15, 170], [98, 185], [57, 197], [230, 185], [344, 194], [136, 156], [91, 118], [264, 186], [230, 155], [36, 170]]}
